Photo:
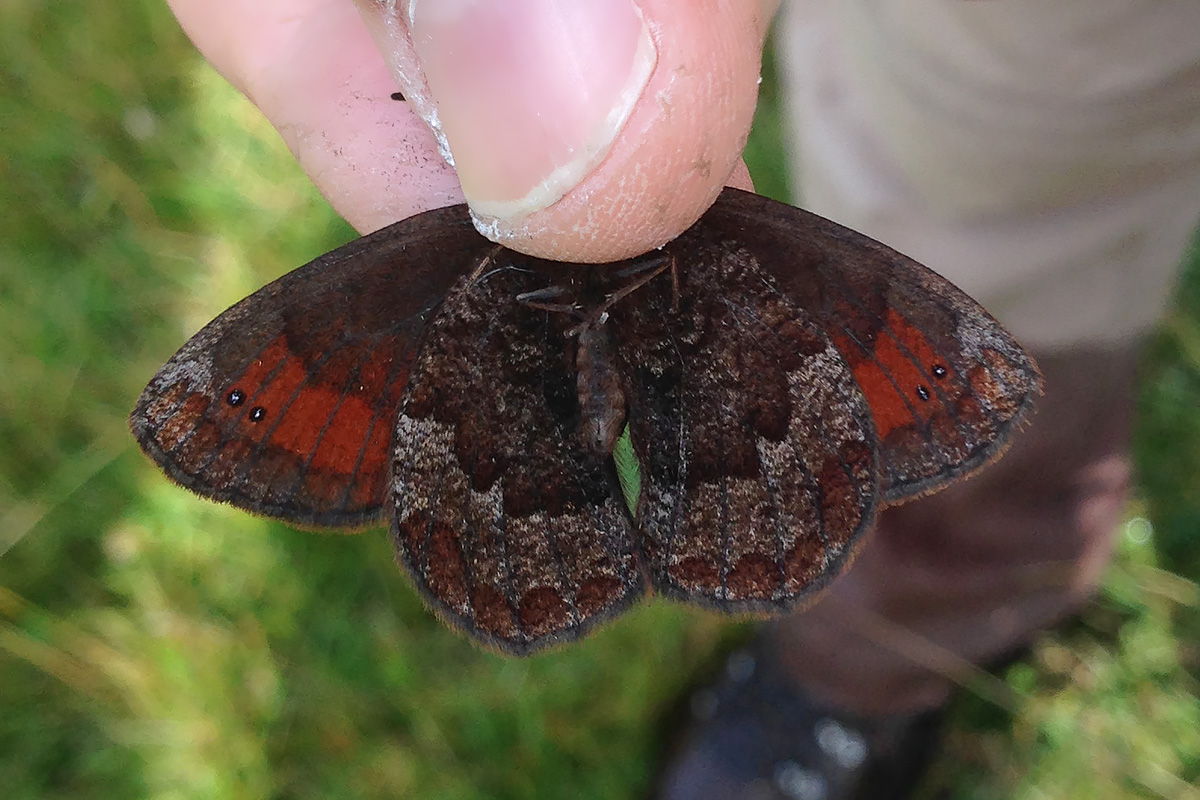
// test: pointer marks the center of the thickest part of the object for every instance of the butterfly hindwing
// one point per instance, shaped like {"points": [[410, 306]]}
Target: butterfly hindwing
{"points": [[285, 404], [508, 525], [759, 468]]}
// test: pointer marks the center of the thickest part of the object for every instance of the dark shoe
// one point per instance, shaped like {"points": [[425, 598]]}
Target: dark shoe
{"points": [[752, 735]]}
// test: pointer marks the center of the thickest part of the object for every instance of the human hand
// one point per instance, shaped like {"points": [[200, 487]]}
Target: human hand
{"points": [[582, 130]]}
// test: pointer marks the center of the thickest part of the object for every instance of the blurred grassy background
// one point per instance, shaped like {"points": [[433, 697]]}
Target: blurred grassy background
{"points": [[154, 645]]}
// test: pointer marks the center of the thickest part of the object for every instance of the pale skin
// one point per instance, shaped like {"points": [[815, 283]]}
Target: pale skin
{"points": [[319, 71]]}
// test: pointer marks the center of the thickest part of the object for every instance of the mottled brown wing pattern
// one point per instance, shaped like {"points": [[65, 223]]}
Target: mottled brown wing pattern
{"points": [[507, 524], [783, 380], [946, 384], [756, 445], [285, 404]]}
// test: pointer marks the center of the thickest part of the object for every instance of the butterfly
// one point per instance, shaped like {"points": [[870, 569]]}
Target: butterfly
{"points": [[772, 380]]}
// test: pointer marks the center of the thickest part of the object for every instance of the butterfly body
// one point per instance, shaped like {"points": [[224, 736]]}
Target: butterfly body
{"points": [[599, 386], [782, 378]]}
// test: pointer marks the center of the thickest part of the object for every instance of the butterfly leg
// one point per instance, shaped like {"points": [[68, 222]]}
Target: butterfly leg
{"points": [[539, 297], [649, 269], [655, 265]]}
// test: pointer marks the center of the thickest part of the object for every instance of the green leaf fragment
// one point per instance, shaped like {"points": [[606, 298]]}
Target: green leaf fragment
{"points": [[629, 471]]}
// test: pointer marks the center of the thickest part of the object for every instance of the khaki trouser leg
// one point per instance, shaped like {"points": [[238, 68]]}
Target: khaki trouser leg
{"points": [[1046, 158]]}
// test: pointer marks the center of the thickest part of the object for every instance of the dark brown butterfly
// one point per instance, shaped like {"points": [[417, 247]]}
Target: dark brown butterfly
{"points": [[781, 378]]}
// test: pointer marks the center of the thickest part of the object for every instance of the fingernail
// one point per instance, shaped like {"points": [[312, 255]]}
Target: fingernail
{"points": [[530, 93]]}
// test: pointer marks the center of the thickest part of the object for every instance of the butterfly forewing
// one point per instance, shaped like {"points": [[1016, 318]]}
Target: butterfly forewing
{"points": [[285, 404], [946, 384], [507, 523], [757, 446]]}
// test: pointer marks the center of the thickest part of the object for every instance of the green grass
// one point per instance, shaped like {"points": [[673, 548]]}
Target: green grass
{"points": [[154, 645]]}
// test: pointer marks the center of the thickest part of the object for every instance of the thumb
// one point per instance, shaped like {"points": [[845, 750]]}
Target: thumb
{"points": [[582, 130]]}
